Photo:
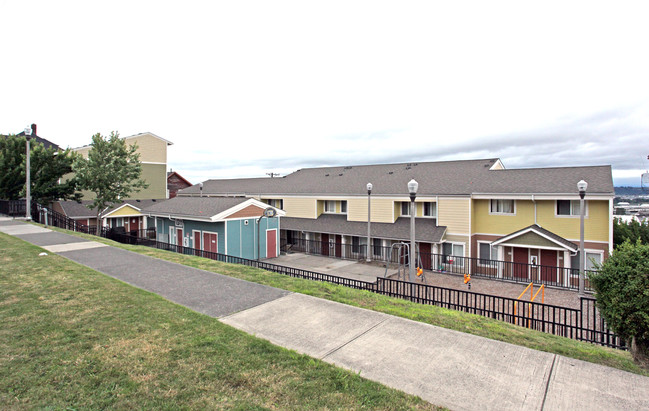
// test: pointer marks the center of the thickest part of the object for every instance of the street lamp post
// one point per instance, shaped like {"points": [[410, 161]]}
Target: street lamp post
{"points": [[369, 218], [412, 189], [28, 191], [581, 186]]}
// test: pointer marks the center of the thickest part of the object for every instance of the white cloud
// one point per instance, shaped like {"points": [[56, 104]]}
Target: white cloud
{"points": [[243, 88]]}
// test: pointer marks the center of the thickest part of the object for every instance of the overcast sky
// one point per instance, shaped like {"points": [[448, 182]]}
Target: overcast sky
{"points": [[243, 88]]}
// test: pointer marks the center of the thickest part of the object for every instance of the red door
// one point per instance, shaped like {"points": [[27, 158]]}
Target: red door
{"points": [[424, 254], [549, 266], [520, 262], [339, 250], [210, 242], [197, 242], [325, 245], [134, 225], [179, 239], [271, 243]]}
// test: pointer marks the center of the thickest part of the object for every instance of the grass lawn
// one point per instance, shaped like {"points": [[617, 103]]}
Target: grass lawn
{"points": [[74, 338], [456, 320]]}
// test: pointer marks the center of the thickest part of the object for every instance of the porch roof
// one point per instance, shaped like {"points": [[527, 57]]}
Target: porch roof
{"points": [[547, 237], [425, 229]]}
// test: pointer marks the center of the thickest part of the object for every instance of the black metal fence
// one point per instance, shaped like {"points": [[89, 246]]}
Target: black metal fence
{"points": [[584, 324], [480, 267], [13, 208]]}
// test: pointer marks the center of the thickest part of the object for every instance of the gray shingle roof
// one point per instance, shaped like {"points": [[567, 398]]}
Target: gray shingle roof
{"points": [[425, 229], [463, 177], [203, 207]]}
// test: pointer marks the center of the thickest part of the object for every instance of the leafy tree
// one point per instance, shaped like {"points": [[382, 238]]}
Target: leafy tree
{"points": [[632, 231], [111, 171], [47, 167], [622, 292], [12, 167]]}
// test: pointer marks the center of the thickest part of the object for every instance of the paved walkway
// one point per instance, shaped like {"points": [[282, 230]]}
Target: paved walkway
{"points": [[448, 368]]}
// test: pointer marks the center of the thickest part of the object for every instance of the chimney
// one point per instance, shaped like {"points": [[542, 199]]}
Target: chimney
{"points": [[34, 130]]}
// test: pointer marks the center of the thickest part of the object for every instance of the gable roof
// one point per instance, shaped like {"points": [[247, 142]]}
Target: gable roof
{"points": [[75, 209], [175, 173], [549, 236], [204, 208], [463, 177]]}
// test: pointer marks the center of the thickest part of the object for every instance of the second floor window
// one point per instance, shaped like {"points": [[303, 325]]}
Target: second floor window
{"points": [[330, 206], [568, 207], [405, 209], [501, 207], [430, 209]]}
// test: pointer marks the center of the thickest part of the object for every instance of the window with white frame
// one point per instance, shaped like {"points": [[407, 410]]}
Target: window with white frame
{"points": [[568, 207], [451, 252], [502, 207], [329, 206], [486, 253], [593, 258], [430, 209], [343, 207], [405, 209]]}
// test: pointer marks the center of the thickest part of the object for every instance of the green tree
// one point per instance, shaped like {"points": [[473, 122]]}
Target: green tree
{"points": [[47, 167], [111, 171], [12, 167], [632, 231], [622, 292]]}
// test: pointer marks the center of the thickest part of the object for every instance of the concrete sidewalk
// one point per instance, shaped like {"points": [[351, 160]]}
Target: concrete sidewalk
{"points": [[448, 368]]}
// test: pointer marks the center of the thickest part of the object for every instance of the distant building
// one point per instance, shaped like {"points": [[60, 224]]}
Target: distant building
{"points": [[176, 182], [36, 138], [153, 156]]}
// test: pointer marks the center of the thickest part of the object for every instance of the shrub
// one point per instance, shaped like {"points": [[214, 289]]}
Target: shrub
{"points": [[622, 292]]}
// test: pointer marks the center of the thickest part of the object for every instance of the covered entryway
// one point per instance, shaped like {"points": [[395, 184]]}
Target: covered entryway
{"points": [[533, 254]]}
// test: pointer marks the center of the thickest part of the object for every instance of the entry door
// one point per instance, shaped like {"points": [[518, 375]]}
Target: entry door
{"points": [[133, 225], [339, 249], [549, 266], [179, 239], [197, 242], [325, 244], [520, 262], [210, 242], [424, 254], [271, 243]]}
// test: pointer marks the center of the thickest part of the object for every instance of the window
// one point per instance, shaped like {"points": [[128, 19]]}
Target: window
{"points": [[405, 209], [430, 209], [486, 253], [592, 258], [450, 251], [343, 207], [330, 206], [568, 207], [502, 207]]}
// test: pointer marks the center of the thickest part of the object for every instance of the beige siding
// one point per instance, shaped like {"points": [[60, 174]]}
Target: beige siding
{"points": [[151, 149], [454, 214], [382, 210], [300, 207]]}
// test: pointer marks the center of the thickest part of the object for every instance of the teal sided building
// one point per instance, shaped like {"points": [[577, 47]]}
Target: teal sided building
{"points": [[235, 226]]}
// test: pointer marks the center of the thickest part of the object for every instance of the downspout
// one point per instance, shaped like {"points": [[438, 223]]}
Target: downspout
{"points": [[534, 201]]}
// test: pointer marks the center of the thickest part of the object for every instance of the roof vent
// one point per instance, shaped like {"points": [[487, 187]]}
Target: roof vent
{"points": [[327, 175], [340, 175], [408, 168], [348, 168], [391, 172]]}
